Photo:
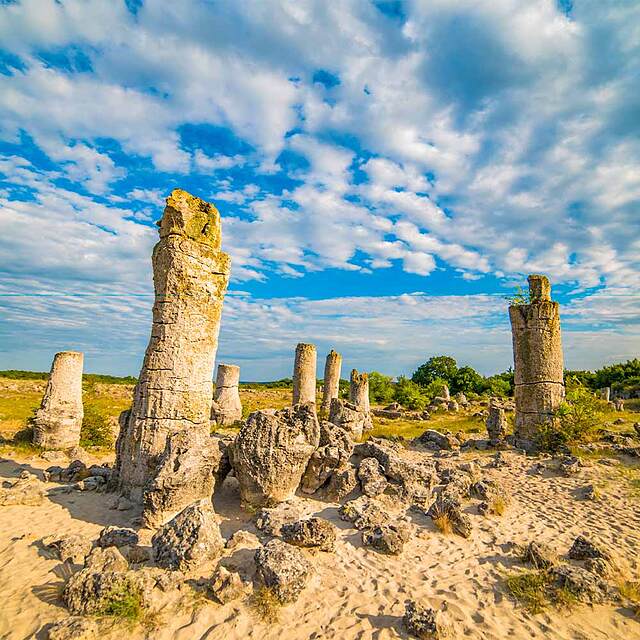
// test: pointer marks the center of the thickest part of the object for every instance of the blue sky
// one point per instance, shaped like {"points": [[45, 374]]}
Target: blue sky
{"points": [[387, 171]]}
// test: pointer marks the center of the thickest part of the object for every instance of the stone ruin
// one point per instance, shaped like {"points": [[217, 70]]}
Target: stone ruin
{"points": [[226, 408], [537, 354], [304, 374], [58, 421], [170, 416], [332, 368]]}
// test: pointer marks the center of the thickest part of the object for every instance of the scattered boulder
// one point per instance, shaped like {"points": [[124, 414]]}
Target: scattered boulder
{"points": [[582, 548], [106, 559], [74, 548], [312, 532], [585, 586], [271, 521], [27, 490], [191, 537], [569, 465], [387, 538], [73, 628], [243, 539], [422, 622], [363, 513], [372, 480], [436, 441], [342, 483], [354, 420], [333, 453], [271, 452], [117, 537], [283, 568], [538, 555], [77, 470], [226, 585]]}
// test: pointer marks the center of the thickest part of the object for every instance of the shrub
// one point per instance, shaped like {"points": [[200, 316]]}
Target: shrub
{"points": [[124, 602], [535, 590], [467, 380], [381, 388], [574, 421], [265, 605], [409, 394], [442, 522], [96, 430]]}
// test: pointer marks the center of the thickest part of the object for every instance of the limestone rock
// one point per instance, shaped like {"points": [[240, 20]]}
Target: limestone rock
{"points": [[271, 452], [226, 585], [435, 440], [242, 539], [364, 513], [372, 480], [497, 424], [332, 367], [537, 352], [190, 538], [226, 408], [174, 389], [349, 417], [58, 421], [586, 586], [271, 520], [73, 628], [583, 548], [73, 547], [304, 374], [333, 453], [422, 622], [460, 521], [185, 473], [359, 391], [106, 559], [117, 537], [283, 568], [387, 538], [538, 555], [27, 490], [342, 483], [312, 532]]}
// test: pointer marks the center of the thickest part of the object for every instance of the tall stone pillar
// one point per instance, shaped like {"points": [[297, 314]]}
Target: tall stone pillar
{"points": [[332, 368], [304, 374], [58, 421], [537, 354], [359, 390], [174, 391], [227, 407]]}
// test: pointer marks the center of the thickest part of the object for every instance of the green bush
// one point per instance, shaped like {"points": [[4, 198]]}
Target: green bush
{"points": [[96, 430], [410, 395], [574, 421], [381, 388]]}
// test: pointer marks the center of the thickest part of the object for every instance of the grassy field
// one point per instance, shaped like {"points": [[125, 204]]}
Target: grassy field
{"points": [[20, 396]]}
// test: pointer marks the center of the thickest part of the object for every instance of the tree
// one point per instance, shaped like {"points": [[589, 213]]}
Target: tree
{"points": [[467, 380], [443, 367], [410, 395], [380, 388]]}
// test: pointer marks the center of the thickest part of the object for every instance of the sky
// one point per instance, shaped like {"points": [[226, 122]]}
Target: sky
{"points": [[387, 172]]}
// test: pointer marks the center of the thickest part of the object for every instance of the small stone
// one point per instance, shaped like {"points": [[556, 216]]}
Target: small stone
{"points": [[26, 491], [540, 556], [136, 554], [226, 585], [422, 622], [106, 559], [363, 513], [73, 547], [283, 568], [74, 628], [372, 480], [386, 538], [117, 537], [432, 439], [582, 548], [586, 586], [312, 532], [190, 538], [243, 539]]}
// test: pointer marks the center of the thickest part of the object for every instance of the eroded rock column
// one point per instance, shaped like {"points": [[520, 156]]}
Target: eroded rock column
{"points": [[359, 390], [304, 374], [174, 390], [537, 354], [58, 421], [332, 368], [226, 408]]}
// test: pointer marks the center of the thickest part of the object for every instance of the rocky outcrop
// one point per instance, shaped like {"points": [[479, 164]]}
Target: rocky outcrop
{"points": [[537, 354], [226, 408], [304, 374], [343, 482], [372, 481], [186, 472], [69, 548], [332, 368], [349, 417], [192, 537], [331, 456], [436, 441], [58, 421], [73, 628], [271, 452], [26, 490], [283, 568], [174, 389], [117, 537], [388, 537], [311, 532]]}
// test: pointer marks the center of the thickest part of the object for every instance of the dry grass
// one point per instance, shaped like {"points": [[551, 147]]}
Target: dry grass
{"points": [[630, 590], [265, 605], [442, 522], [498, 505]]}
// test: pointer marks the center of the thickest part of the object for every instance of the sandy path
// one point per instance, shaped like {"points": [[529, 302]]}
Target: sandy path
{"points": [[355, 593]]}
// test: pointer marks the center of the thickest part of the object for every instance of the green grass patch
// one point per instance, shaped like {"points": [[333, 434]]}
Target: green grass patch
{"points": [[125, 603], [536, 590], [265, 605]]}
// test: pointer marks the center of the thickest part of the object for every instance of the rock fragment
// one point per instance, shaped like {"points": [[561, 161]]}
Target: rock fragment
{"points": [[226, 408], [311, 532], [283, 568]]}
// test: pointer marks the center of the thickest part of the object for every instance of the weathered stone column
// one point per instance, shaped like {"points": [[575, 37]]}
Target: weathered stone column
{"points": [[537, 354], [227, 407], [304, 374], [58, 421], [359, 390], [332, 368], [174, 390]]}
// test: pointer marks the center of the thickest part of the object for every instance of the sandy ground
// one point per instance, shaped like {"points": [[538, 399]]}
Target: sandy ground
{"points": [[355, 592]]}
